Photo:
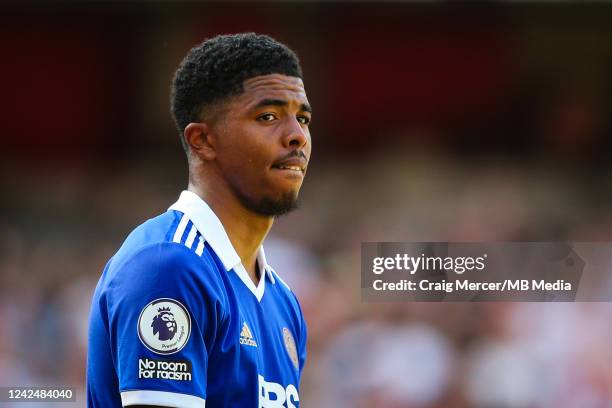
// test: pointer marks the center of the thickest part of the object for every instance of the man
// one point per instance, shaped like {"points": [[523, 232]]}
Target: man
{"points": [[188, 313]]}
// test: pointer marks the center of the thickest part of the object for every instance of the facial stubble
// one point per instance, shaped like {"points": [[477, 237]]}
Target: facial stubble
{"points": [[266, 206]]}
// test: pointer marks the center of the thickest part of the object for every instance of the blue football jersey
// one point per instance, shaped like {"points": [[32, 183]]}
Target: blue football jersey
{"points": [[176, 321]]}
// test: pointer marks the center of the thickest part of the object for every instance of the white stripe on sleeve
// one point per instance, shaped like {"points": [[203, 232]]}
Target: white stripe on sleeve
{"points": [[200, 247], [191, 236], [161, 398], [180, 229]]}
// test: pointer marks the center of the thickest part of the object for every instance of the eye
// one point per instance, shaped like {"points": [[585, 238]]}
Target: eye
{"points": [[304, 120], [266, 117]]}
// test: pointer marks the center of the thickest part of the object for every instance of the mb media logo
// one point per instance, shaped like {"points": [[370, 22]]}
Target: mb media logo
{"points": [[246, 337]]}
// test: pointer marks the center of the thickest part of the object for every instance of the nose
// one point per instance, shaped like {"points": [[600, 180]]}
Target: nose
{"points": [[296, 135]]}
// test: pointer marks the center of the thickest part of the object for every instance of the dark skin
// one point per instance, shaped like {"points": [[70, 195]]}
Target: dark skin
{"points": [[238, 150], [256, 145]]}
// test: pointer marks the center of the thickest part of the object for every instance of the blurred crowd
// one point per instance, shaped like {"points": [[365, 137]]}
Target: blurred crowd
{"points": [[432, 122], [409, 355]]}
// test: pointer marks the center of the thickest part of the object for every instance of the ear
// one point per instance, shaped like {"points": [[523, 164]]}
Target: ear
{"points": [[200, 140]]}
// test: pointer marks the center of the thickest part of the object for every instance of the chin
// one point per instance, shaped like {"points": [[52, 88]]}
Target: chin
{"points": [[280, 204]]}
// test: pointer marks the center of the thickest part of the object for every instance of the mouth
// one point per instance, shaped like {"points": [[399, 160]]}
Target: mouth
{"points": [[294, 166], [299, 169], [293, 173]]}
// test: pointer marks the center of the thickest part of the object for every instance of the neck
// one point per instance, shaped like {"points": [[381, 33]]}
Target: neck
{"points": [[246, 230]]}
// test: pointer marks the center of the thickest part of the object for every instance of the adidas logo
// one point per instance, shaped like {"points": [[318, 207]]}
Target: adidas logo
{"points": [[246, 337]]}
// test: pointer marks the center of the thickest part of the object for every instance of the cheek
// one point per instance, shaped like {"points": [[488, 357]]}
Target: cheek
{"points": [[253, 157], [247, 167], [245, 157], [245, 149]]}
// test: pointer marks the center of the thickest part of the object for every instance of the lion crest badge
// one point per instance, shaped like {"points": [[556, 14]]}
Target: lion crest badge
{"points": [[164, 326], [290, 347]]}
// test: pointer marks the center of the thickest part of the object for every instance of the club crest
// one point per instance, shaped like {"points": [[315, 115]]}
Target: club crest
{"points": [[290, 347]]}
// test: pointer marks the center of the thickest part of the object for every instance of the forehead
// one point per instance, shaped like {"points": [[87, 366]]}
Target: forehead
{"points": [[277, 86]]}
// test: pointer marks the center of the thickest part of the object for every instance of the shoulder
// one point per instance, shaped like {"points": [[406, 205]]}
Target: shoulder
{"points": [[157, 230], [284, 292], [282, 287], [168, 238], [160, 256]]}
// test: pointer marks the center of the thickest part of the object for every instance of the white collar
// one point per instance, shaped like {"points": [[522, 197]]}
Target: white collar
{"points": [[209, 225]]}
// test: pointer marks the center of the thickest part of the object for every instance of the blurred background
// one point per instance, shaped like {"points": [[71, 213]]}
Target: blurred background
{"points": [[433, 122]]}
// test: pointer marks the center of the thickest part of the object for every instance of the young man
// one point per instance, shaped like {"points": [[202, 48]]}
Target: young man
{"points": [[188, 313]]}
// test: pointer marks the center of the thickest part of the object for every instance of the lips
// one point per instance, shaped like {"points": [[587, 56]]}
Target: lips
{"points": [[295, 168], [291, 164]]}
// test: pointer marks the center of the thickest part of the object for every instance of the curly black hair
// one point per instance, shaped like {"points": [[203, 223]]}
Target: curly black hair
{"points": [[217, 68]]}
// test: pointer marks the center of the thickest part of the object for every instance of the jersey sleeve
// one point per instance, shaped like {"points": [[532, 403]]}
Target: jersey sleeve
{"points": [[164, 307]]}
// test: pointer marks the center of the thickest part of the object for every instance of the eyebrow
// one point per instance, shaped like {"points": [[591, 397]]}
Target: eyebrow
{"points": [[279, 102]]}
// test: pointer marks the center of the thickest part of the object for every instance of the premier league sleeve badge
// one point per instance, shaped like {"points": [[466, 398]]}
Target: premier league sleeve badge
{"points": [[164, 326]]}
